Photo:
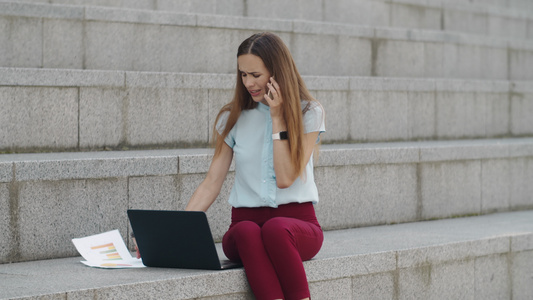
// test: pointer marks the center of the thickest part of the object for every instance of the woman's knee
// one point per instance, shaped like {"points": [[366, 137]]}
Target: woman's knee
{"points": [[242, 235], [276, 230], [245, 230], [283, 234]]}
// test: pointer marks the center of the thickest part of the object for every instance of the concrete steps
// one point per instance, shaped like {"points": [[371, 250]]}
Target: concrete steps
{"points": [[52, 198], [495, 18], [484, 257], [101, 38], [59, 110], [430, 116]]}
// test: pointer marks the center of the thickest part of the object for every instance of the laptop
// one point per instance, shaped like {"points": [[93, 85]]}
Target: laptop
{"points": [[176, 239]]}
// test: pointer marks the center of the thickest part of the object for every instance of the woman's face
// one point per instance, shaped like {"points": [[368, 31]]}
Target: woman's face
{"points": [[254, 76]]}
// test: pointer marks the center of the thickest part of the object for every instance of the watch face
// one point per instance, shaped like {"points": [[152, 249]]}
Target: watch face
{"points": [[283, 135]]}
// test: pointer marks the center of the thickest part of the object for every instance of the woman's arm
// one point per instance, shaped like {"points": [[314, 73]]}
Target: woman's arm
{"points": [[283, 167], [286, 174], [208, 190]]}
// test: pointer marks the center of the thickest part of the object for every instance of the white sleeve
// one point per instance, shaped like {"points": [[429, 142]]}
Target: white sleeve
{"points": [[314, 118]]}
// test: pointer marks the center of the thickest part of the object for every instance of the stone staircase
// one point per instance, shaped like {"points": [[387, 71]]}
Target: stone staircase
{"points": [[424, 174], [103, 38]]}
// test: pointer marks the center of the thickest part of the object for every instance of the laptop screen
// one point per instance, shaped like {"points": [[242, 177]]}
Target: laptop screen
{"points": [[174, 239]]}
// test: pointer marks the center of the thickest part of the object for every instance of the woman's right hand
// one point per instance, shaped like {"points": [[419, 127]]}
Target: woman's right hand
{"points": [[138, 254]]}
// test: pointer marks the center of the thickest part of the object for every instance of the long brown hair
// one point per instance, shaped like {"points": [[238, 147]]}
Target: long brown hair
{"points": [[279, 62]]}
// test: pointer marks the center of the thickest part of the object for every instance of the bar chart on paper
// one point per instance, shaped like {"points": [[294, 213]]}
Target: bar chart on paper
{"points": [[108, 253], [106, 250]]}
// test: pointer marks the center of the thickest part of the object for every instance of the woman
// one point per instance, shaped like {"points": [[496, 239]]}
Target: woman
{"points": [[271, 128]]}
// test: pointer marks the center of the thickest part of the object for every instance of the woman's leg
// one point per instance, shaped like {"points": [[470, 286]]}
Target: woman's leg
{"points": [[288, 242], [243, 242]]}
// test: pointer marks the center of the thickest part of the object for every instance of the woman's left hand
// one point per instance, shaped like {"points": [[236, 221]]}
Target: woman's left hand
{"points": [[276, 101]]}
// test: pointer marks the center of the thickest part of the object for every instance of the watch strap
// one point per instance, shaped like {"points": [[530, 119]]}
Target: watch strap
{"points": [[282, 135]]}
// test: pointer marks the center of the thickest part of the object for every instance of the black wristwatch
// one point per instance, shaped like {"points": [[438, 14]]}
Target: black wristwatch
{"points": [[282, 135]]}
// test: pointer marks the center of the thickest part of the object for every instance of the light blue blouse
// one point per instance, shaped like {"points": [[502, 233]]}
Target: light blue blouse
{"points": [[255, 180]]}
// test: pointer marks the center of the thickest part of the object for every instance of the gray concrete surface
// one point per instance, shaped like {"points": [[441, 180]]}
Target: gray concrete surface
{"points": [[57, 110], [446, 259], [36, 36], [50, 198], [58, 196], [494, 18]]}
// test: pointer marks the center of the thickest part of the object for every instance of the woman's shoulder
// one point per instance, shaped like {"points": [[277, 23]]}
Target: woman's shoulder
{"points": [[222, 119], [312, 106], [313, 116]]}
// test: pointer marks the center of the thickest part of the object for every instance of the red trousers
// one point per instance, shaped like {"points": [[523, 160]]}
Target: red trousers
{"points": [[271, 243]]}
